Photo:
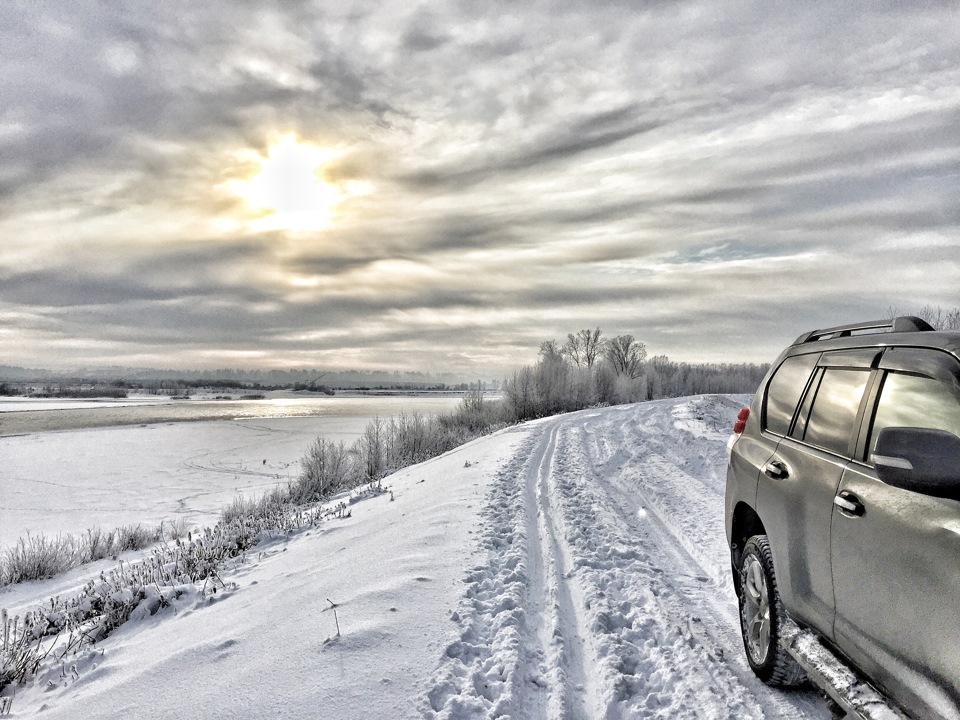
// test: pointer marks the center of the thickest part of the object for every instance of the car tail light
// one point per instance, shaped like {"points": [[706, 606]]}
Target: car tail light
{"points": [[741, 422]]}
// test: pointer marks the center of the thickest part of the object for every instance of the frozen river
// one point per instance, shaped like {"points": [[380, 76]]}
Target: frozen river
{"points": [[25, 415], [146, 463]]}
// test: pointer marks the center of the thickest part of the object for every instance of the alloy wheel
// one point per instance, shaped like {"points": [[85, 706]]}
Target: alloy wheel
{"points": [[756, 610]]}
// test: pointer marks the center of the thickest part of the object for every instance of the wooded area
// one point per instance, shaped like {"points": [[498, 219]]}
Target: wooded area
{"points": [[588, 369]]}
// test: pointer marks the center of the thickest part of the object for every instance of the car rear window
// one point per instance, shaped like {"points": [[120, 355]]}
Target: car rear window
{"points": [[835, 409], [785, 389]]}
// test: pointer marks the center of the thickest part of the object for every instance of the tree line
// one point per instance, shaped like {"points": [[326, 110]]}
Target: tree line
{"points": [[939, 318], [588, 369]]}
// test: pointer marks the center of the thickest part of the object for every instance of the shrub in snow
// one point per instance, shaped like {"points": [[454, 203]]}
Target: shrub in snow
{"points": [[386, 446], [324, 470], [190, 565], [37, 557], [174, 529]]}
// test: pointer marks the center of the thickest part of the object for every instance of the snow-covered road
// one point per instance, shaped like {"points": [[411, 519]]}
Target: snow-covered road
{"points": [[606, 593]]}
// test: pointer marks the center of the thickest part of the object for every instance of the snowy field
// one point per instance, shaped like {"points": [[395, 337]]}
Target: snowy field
{"points": [[573, 567]]}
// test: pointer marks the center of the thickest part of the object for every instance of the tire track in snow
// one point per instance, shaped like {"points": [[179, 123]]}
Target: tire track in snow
{"points": [[585, 608], [693, 588], [519, 651], [560, 631], [650, 661]]}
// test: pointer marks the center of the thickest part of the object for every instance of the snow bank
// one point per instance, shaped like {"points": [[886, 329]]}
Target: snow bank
{"points": [[270, 648]]}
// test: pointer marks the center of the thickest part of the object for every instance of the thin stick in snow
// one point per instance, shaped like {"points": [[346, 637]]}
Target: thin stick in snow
{"points": [[333, 606]]}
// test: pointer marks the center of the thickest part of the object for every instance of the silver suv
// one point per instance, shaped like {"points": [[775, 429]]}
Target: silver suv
{"points": [[843, 509]]}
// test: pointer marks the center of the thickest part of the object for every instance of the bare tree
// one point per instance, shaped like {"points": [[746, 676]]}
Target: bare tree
{"points": [[552, 378], [937, 317], [952, 320], [573, 350], [550, 350], [584, 348], [626, 355], [519, 392], [371, 449]]}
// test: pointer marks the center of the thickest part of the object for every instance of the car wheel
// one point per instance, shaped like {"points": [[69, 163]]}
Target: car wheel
{"points": [[762, 616]]}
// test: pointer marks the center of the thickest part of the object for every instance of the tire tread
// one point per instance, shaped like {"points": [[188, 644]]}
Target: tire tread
{"points": [[780, 669]]}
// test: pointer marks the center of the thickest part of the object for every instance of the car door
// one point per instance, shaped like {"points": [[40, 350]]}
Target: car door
{"points": [[896, 554], [797, 486]]}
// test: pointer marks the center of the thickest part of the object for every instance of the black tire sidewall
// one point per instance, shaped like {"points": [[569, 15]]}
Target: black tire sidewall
{"points": [[758, 547]]}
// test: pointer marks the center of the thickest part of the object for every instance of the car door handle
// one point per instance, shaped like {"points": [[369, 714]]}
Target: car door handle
{"points": [[849, 503], [776, 470]]}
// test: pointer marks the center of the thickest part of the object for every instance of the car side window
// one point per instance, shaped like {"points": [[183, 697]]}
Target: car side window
{"points": [[914, 401], [785, 389], [835, 408]]}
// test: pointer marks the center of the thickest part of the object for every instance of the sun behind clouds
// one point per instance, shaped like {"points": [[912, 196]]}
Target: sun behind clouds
{"points": [[289, 190]]}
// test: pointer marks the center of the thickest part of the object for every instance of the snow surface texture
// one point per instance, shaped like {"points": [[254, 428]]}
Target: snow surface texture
{"points": [[573, 567]]}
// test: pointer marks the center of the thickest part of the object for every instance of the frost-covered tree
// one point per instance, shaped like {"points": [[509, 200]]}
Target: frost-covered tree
{"points": [[550, 349], [520, 395], [939, 318], [584, 347], [371, 449], [551, 379], [626, 356], [571, 376]]}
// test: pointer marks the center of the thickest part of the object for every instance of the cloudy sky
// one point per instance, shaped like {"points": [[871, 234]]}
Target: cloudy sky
{"points": [[442, 185]]}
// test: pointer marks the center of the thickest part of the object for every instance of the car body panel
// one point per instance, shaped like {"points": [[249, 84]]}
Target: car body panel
{"points": [[796, 512], [897, 588]]}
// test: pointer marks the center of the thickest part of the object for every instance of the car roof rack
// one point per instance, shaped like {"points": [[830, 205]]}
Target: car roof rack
{"points": [[905, 323]]}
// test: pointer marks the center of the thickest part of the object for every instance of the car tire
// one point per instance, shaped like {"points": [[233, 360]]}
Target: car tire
{"points": [[762, 617]]}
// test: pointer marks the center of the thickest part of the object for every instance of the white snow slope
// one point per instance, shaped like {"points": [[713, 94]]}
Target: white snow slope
{"points": [[571, 568]]}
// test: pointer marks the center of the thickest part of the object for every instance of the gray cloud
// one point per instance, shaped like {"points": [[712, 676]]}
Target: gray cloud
{"points": [[565, 143], [58, 289], [711, 177], [421, 35]]}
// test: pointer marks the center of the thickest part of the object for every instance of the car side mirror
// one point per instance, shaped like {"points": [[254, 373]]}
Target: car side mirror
{"points": [[919, 459]]}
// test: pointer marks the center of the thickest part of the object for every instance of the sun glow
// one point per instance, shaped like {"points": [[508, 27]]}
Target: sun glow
{"points": [[288, 189]]}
